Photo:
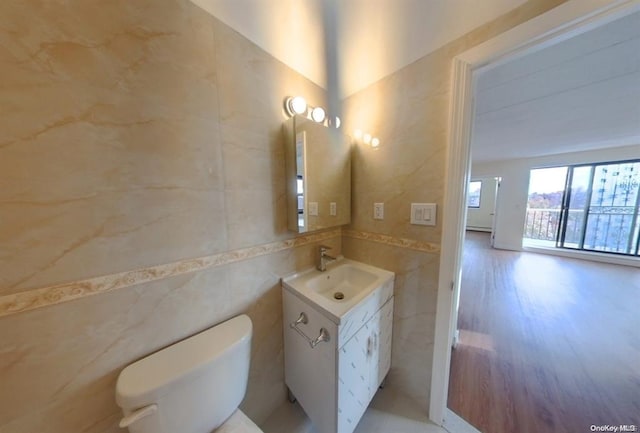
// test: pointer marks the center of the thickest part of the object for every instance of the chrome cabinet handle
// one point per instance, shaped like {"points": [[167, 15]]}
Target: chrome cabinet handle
{"points": [[323, 336], [373, 344], [301, 319]]}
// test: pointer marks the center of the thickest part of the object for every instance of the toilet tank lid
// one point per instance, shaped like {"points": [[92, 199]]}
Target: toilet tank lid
{"points": [[144, 380]]}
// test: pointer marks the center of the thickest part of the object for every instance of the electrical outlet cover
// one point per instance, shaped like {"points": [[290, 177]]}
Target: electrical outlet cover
{"points": [[333, 208], [313, 208], [378, 211]]}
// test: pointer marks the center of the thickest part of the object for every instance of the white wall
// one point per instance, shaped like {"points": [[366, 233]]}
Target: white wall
{"points": [[512, 201], [482, 218]]}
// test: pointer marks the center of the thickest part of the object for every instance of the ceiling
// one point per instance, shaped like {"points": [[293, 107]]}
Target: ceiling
{"points": [[581, 94], [372, 38]]}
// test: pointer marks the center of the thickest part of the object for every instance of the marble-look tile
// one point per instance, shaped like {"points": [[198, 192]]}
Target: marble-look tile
{"points": [[411, 164], [119, 152], [51, 295], [256, 215], [64, 352], [415, 290], [255, 187], [257, 160], [259, 292], [392, 240], [108, 140], [59, 358], [62, 415], [252, 85]]}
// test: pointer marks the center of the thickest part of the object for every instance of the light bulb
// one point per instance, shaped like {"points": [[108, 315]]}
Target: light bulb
{"points": [[357, 134], [366, 138], [317, 114], [296, 105], [375, 142], [336, 122]]}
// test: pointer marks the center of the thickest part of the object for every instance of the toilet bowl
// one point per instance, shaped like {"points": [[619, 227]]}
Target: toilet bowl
{"points": [[193, 386]]}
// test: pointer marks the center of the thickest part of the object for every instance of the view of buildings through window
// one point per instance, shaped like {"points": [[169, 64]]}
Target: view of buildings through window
{"points": [[593, 207]]}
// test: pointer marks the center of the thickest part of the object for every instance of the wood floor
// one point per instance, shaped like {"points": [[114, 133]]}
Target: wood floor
{"points": [[547, 344]]}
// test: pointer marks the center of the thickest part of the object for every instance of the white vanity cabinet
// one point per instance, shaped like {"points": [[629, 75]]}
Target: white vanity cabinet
{"points": [[363, 363], [335, 380]]}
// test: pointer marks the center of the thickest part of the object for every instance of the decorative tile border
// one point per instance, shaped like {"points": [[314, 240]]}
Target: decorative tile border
{"points": [[411, 244], [52, 295], [44, 296]]}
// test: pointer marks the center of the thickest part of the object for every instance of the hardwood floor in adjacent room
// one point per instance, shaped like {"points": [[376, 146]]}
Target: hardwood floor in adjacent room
{"points": [[547, 344]]}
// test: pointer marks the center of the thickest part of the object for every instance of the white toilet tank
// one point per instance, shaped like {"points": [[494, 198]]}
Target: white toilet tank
{"points": [[192, 386]]}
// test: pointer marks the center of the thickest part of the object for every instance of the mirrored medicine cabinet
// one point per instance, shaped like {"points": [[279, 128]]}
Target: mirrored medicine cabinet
{"points": [[318, 165]]}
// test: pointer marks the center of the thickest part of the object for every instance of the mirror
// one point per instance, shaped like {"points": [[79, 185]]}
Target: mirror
{"points": [[318, 164]]}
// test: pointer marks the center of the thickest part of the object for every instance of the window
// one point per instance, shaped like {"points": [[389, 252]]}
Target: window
{"points": [[546, 192], [475, 188], [599, 209]]}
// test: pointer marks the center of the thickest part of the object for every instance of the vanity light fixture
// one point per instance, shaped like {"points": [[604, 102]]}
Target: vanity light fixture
{"points": [[295, 105], [366, 138], [298, 105], [318, 114]]}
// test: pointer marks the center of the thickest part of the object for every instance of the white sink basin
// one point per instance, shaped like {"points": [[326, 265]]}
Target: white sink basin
{"points": [[342, 283], [341, 287]]}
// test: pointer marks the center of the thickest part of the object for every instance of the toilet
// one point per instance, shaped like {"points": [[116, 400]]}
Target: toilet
{"points": [[193, 386]]}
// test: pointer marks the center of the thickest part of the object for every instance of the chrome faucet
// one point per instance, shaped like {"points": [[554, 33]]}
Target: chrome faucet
{"points": [[324, 258]]}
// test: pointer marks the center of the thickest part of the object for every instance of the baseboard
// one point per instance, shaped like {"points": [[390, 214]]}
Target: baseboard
{"points": [[479, 229], [587, 255]]}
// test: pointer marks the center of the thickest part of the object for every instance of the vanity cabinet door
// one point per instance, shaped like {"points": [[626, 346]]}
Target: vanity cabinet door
{"points": [[363, 362], [354, 378], [382, 330]]}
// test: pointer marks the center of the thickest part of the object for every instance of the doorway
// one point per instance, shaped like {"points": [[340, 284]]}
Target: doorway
{"points": [[481, 203], [565, 21]]}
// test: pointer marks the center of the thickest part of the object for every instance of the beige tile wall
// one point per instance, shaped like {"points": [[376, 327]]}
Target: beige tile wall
{"points": [[408, 111], [138, 133], [59, 364], [134, 134]]}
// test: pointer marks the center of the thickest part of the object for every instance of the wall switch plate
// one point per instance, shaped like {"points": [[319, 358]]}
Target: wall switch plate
{"points": [[313, 208], [378, 211], [333, 208], [423, 214]]}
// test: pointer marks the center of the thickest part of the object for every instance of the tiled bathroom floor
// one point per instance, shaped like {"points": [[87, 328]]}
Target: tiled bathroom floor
{"points": [[389, 412]]}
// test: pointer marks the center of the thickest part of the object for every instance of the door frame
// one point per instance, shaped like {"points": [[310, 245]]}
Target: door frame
{"points": [[561, 23], [494, 220]]}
